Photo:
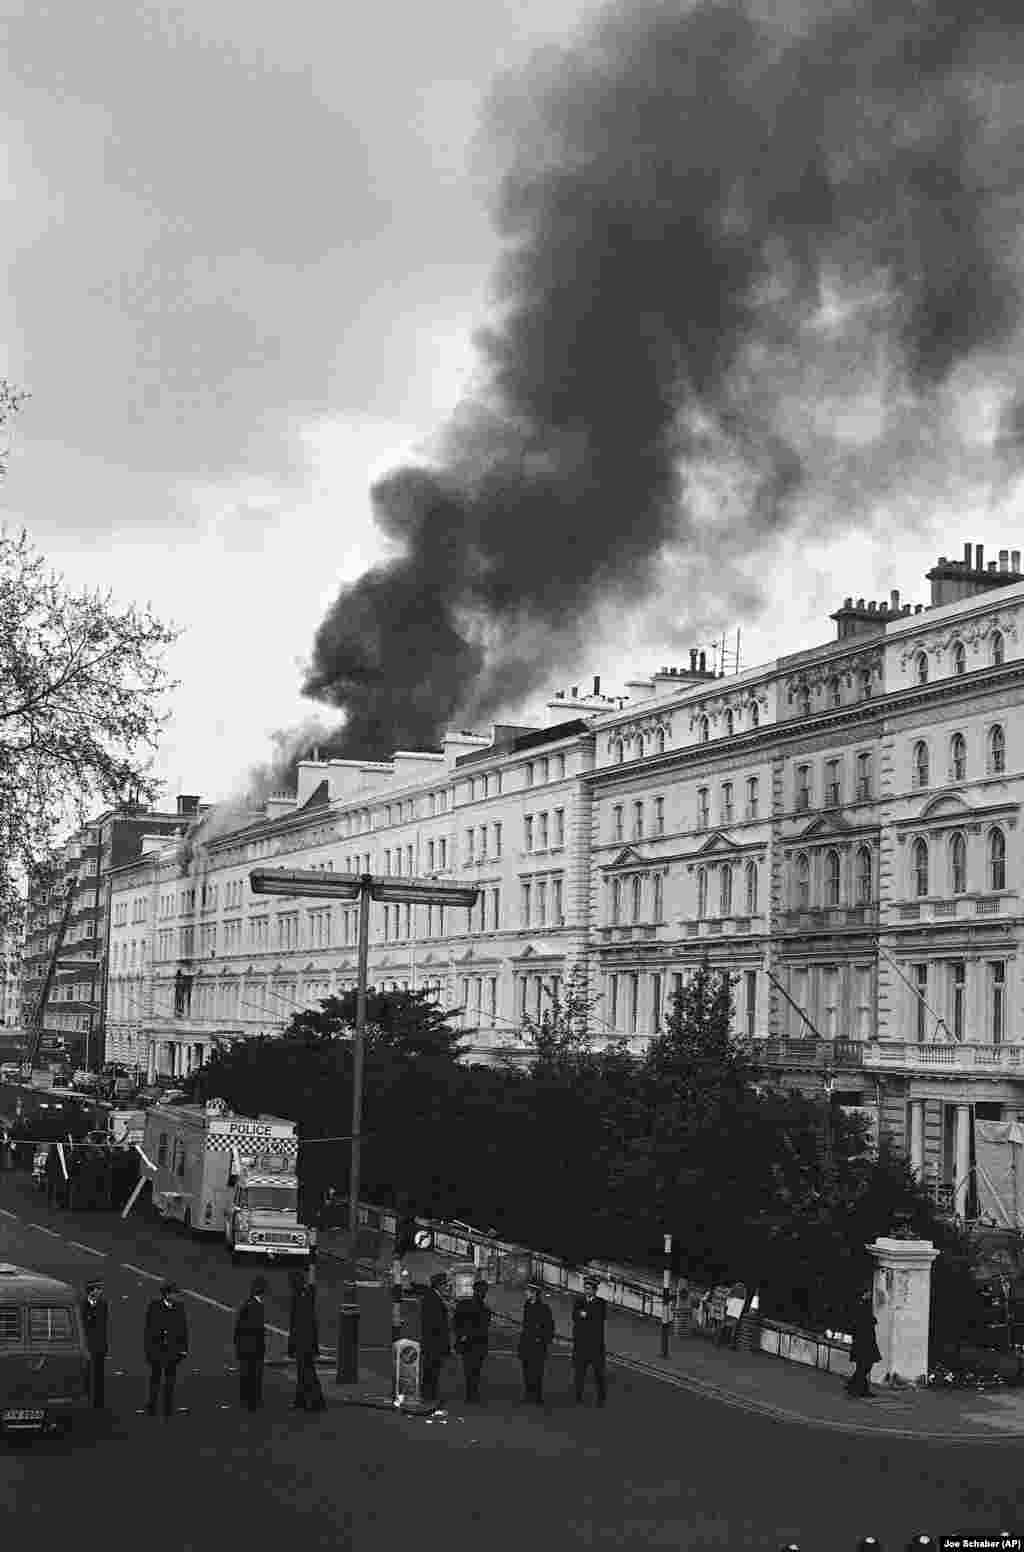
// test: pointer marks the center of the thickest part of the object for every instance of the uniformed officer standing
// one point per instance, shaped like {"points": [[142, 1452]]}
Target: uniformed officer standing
{"points": [[588, 1315], [471, 1324], [95, 1318], [251, 1346], [166, 1341], [435, 1340], [537, 1334]]}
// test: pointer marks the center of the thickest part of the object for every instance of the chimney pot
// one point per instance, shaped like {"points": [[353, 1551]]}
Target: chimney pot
{"points": [[848, 603], [906, 608], [575, 692], [597, 684], [967, 555], [979, 557], [942, 560], [703, 662], [1004, 560], [860, 603], [991, 566], [693, 660], [918, 608], [1015, 560], [873, 607], [894, 599]]}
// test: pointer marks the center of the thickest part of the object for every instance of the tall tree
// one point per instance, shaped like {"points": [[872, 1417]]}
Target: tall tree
{"points": [[82, 686]]}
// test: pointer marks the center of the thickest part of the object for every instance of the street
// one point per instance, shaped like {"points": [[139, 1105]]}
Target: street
{"points": [[659, 1467]]}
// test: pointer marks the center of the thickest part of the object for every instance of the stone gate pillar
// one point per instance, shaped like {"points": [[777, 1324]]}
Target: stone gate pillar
{"points": [[902, 1303]]}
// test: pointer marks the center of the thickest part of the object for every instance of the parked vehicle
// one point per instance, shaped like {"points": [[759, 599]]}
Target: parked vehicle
{"points": [[10, 1072], [85, 1080], [44, 1360]]}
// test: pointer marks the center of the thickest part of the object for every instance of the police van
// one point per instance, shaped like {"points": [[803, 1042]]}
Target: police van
{"points": [[219, 1173], [44, 1359]]}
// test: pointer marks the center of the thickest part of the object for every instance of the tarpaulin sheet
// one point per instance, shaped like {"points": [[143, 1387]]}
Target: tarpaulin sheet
{"points": [[999, 1167]]}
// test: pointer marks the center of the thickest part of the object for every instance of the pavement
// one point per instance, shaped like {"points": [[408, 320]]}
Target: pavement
{"points": [[753, 1381]]}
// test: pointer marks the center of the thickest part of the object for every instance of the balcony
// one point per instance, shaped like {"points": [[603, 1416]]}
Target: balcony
{"points": [[810, 1053], [969, 1057]]}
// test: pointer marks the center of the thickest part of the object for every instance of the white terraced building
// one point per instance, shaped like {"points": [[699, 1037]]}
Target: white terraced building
{"points": [[839, 828]]}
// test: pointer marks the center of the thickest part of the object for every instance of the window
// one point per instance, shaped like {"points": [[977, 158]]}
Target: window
{"points": [[727, 802], [996, 860], [832, 784], [497, 839], [958, 864], [996, 751], [832, 875], [431, 852], [755, 714], [862, 992], [638, 821], [617, 822], [542, 903], [959, 658], [557, 906], [703, 808], [921, 668], [528, 771], [559, 826], [638, 897], [542, 820], [659, 741], [528, 833], [730, 724], [634, 1002], [751, 888], [526, 905], [725, 890], [864, 775], [161, 1150], [702, 893], [659, 816], [613, 1011], [750, 1001], [703, 730], [919, 856], [471, 835], [658, 888], [998, 649], [805, 701], [835, 692], [752, 797], [921, 1003], [620, 751], [640, 746], [559, 770], [864, 684], [958, 757], [545, 770], [655, 1003], [958, 976], [997, 1001], [803, 787], [616, 901], [920, 763], [443, 850], [830, 1000], [803, 882], [863, 876], [51, 1325], [409, 853]]}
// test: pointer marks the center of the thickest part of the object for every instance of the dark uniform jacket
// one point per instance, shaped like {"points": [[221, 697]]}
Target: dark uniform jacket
{"points": [[250, 1329], [166, 1332], [95, 1320], [435, 1340], [588, 1326], [864, 1348], [303, 1328], [538, 1329], [471, 1323]]}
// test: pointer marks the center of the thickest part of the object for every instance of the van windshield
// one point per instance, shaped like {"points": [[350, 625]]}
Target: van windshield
{"points": [[50, 1325], [271, 1198]]}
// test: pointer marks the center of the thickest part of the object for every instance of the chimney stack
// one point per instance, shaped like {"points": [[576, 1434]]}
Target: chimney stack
{"points": [[1015, 560], [894, 600], [979, 557], [187, 804], [693, 660], [597, 684], [967, 556], [702, 660], [1004, 560]]}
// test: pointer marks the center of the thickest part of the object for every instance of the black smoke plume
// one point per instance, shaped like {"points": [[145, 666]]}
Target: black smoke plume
{"points": [[747, 250]]}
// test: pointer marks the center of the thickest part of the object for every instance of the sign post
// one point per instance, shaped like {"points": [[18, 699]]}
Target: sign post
{"points": [[666, 1296]]}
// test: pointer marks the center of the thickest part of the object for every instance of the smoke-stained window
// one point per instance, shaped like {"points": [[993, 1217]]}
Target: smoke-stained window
{"points": [[958, 757], [703, 807], [638, 821], [863, 876], [659, 742], [542, 830], [557, 904], [730, 724], [864, 684], [752, 797], [996, 750], [958, 864], [725, 889], [638, 897], [997, 650], [919, 859], [659, 816], [921, 764], [703, 730], [996, 860], [727, 802], [921, 668], [559, 827], [525, 904], [617, 822], [658, 897], [802, 874], [959, 656], [616, 901], [702, 893], [833, 875], [864, 775], [497, 838], [528, 832], [751, 876]]}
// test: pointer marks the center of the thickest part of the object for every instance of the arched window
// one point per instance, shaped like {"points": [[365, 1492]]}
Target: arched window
{"points": [[730, 724], [863, 876], [864, 680], [996, 860], [660, 745], [803, 882], [958, 864], [725, 891], [958, 757], [658, 885], [703, 730], [959, 658], [920, 862], [996, 750], [755, 714], [620, 752], [702, 892], [805, 701], [832, 872], [751, 888], [998, 648], [616, 901], [640, 746], [921, 764], [638, 897], [835, 692], [921, 668]]}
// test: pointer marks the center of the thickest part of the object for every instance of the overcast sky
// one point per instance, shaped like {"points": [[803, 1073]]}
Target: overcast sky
{"points": [[247, 247]]}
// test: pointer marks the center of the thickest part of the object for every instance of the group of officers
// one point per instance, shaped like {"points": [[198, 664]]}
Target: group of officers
{"points": [[468, 1330]]}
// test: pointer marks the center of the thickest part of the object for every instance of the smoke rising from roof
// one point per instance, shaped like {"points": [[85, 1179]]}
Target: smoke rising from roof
{"points": [[750, 260]]}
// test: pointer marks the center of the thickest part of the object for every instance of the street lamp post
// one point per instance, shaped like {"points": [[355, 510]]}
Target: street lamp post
{"points": [[363, 887]]}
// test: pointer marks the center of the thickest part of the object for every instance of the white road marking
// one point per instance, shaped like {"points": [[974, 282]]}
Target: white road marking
{"points": [[9, 1214], [156, 1277], [52, 1232], [205, 1299], [87, 1248]]}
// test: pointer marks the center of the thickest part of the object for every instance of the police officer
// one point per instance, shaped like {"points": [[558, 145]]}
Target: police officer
{"points": [[95, 1318], [166, 1343], [304, 1345], [538, 1332], [864, 1353], [472, 1324], [251, 1346], [435, 1340], [588, 1315]]}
